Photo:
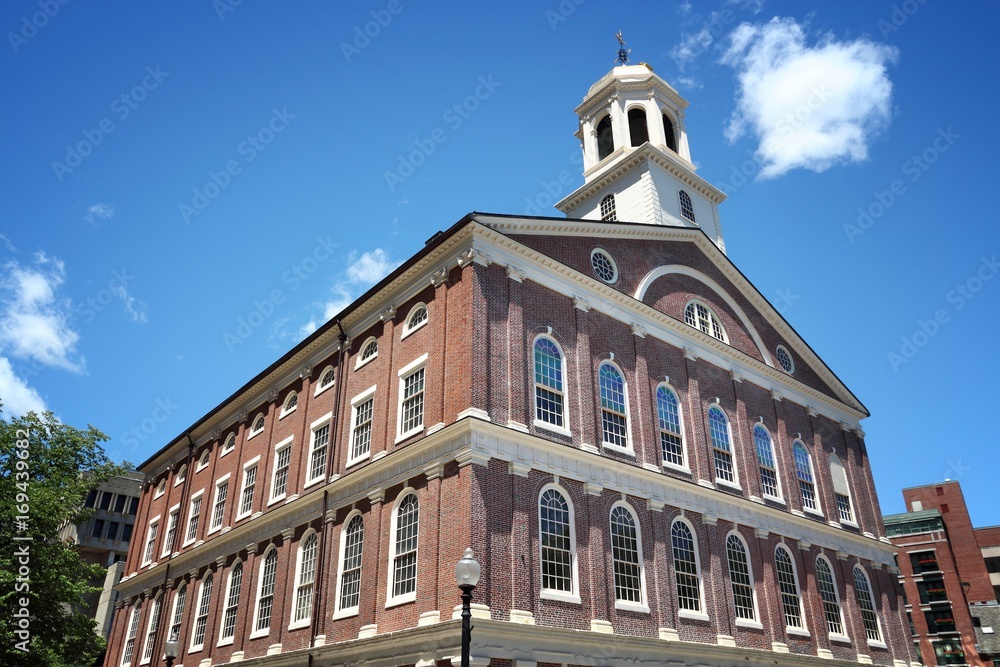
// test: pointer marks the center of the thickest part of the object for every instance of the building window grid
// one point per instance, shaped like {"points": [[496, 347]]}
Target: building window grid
{"points": [[327, 378], [232, 601], [412, 406], [154, 622], [307, 577], [404, 574], [556, 542], [193, 517], [614, 422], [765, 461], [742, 581], [789, 587], [803, 470], [828, 594], [350, 578], [417, 317], [291, 403], [785, 359], [370, 351], [687, 207], [625, 556], [699, 316], [361, 439], [863, 592], [548, 382], [317, 458], [844, 510], [685, 567], [722, 452], [147, 555], [219, 510], [133, 630], [604, 266], [178, 616], [668, 415], [265, 599], [609, 211], [281, 464], [249, 484], [201, 620]]}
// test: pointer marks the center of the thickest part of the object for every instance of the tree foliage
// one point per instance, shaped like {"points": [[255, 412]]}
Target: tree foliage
{"points": [[46, 470]]}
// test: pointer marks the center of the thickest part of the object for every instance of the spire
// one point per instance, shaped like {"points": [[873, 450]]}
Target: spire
{"points": [[622, 51]]}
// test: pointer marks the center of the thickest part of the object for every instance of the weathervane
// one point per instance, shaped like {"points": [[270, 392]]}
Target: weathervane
{"points": [[622, 51]]}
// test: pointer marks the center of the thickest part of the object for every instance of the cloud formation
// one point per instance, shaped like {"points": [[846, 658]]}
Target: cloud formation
{"points": [[809, 107], [15, 394], [98, 212]]}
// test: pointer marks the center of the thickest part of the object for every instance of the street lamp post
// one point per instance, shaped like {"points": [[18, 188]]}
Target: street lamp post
{"points": [[170, 650], [467, 572]]}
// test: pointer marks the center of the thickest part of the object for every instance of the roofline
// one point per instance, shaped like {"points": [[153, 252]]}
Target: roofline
{"points": [[927, 486]]}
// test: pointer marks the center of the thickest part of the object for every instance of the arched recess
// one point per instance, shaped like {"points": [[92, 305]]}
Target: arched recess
{"points": [[638, 131], [659, 272], [605, 138], [668, 131]]}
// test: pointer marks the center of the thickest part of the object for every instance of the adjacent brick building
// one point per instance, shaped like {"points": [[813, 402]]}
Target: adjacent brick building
{"points": [[649, 462], [950, 573]]}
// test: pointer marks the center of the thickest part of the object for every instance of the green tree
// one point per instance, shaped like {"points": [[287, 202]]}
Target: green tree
{"points": [[46, 470]]}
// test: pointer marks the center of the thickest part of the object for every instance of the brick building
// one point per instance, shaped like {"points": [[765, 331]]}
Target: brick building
{"points": [[648, 461], [950, 573]]}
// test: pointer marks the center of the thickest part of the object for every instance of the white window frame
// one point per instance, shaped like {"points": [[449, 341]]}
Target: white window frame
{"points": [[361, 398], [161, 488], [168, 544], [285, 410], [204, 459], [407, 328], [818, 510], [711, 315], [155, 521], [344, 612], [791, 360], [540, 423], [391, 601], [173, 610], [548, 593], [834, 636], [629, 448], [215, 499], [132, 635], [685, 466], [264, 632], [320, 388], [743, 622], [780, 498], [151, 630], [853, 521], [297, 585], [611, 261], [253, 432], [404, 373], [187, 524], [278, 449], [876, 643], [325, 420], [701, 615], [240, 514], [802, 631], [181, 475], [227, 591], [228, 445], [735, 484], [362, 360], [642, 606], [197, 608]]}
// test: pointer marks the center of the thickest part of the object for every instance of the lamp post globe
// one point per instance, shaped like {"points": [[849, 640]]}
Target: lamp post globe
{"points": [[467, 572], [170, 650]]}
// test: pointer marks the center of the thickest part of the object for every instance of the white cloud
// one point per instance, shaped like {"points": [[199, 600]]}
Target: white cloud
{"points": [[691, 46], [370, 267], [134, 307], [809, 107], [98, 212], [34, 323], [684, 8], [15, 394]]}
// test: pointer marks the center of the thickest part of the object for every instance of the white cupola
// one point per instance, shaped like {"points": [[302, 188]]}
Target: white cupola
{"points": [[636, 160]]}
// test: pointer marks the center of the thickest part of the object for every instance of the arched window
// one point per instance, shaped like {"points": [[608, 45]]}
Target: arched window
{"points": [[609, 212], [831, 599], [668, 413], [416, 319], [133, 630], [701, 317], [161, 488], [686, 568], [305, 578], [605, 138], [626, 556], [326, 379], [351, 548], [177, 615], [765, 462], [368, 352], [203, 460], [558, 550], [258, 425], [403, 556], [788, 584], [232, 602], [804, 472], [638, 131], [181, 474], [668, 132], [549, 374], [614, 415], [687, 208], [741, 578], [722, 450], [863, 591], [841, 489], [265, 593], [152, 625], [201, 613], [230, 443], [291, 402]]}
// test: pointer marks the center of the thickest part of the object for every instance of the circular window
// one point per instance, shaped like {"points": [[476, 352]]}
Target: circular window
{"points": [[604, 266], [785, 359]]}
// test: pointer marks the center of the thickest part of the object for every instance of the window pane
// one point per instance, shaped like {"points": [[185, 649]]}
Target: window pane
{"points": [[556, 542]]}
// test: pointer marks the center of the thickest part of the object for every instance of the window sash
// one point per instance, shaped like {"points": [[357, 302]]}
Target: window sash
{"points": [[249, 484], [412, 407], [685, 568], [361, 439], [625, 556], [317, 457], [739, 576], [219, 511], [350, 580]]}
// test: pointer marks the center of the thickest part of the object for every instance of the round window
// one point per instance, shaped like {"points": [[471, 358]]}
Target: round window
{"points": [[785, 359], [604, 266]]}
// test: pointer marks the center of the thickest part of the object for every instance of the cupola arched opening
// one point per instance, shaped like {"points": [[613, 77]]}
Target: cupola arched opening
{"points": [[668, 131], [637, 129], [605, 138]]}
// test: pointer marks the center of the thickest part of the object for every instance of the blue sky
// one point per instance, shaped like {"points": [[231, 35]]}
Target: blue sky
{"points": [[174, 169]]}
